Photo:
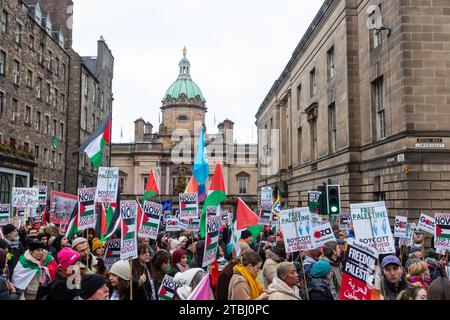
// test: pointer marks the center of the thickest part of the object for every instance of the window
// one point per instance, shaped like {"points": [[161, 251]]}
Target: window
{"points": [[16, 72], [55, 125], [332, 136], [15, 110], [312, 119], [94, 93], [29, 78], [61, 131], [299, 144], [122, 185], [52, 163], [145, 182], [41, 53], [59, 186], [26, 147], [4, 23], [28, 114], [36, 152], [63, 102], [31, 42], [52, 185], [2, 103], [37, 121], [243, 185], [56, 66], [47, 125], [47, 92], [50, 60], [60, 159], [45, 156], [313, 84], [2, 62], [55, 99], [63, 72], [5, 190], [84, 124], [93, 122], [331, 59], [378, 88], [102, 102], [39, 88], [18, 33], [299, 95], [51, 99], [44, 183], [97, 123], [85, 84], [182, 118]]}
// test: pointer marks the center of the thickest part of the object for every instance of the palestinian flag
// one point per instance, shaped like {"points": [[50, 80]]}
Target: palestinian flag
{"points": [[151, 189], [108, 220], [112, 252], [167, 289], [94, 144], [72, 229], [149, 220], [45, 217], [216, 195], [25, 270], [245, 217], [442, 231]]}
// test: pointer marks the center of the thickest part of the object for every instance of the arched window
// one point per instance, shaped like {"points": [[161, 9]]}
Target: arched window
{"points": [[19, 182], [4, 189]]}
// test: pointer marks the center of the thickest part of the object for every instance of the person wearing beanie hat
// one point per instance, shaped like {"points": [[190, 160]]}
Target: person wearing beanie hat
{"points": [[7, 229], [94, 287], [187, 280], [174, 245], [15, 246], [98, 248], [274, 256], [183, 242], [89, 263], [68, 265], [319, 285], [119, 280], [332, 255], [246, 236]]}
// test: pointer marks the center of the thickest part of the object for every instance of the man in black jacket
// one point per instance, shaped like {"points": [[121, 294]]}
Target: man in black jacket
{"points": [[15, 247], [392, 281]]}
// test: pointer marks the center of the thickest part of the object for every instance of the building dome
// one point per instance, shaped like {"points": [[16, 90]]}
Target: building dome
{"points": [[184, 91]]}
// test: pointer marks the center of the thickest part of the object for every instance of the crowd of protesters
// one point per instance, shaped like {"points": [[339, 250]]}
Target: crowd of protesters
{"points": [[42, 265]]}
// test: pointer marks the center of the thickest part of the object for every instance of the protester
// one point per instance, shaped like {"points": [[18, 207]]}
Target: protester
{"points": [[244, 285], [34, 271], [435, 268], [247, 237], [7, 290], [161, 240], [89, 263], [98, 250], [160, 263], [15, 247], [392, 282], [183, 242], [174, 245], [319, 285], [119, 281], [443, 261], [332, 255], [69, 267], [94, 287], [418, 273], [284, 284], [274, 256], [43, 237], [439, 290], [188, 281], [413, 292], [143, 274], [311, 257], [179, 262], [57, 245], [197, 259]]}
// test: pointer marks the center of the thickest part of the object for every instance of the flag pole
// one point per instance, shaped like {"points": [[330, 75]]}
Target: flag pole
{"points": [[131, 280]]}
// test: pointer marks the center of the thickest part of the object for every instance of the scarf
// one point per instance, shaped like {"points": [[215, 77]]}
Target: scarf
{"points": [[256, 288], [182, 268], [13, 244]]}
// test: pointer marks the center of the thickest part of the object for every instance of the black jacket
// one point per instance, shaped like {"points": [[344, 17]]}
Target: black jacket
{"points": [[17, 252], [59, 290], [319, 289], [4, 293], [390, 291]]}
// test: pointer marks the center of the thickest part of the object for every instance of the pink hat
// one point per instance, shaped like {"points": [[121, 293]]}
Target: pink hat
{"points": [[67, 257]]}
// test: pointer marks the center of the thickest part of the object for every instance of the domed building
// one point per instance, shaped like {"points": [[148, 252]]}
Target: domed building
{"points": [[171, 149]]}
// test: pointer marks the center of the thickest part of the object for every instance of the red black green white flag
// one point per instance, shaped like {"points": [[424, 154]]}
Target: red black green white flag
{"points": [[94, 144], [151, 189]]}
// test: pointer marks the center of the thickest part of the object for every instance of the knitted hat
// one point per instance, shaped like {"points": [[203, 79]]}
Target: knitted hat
{"points": [[7, 229], [246, 234], [121, 269], [320, 269], [414, 249], [67, 257], [96, 244], [90, 284], [174, 244], [182, 238], [78, 241], [35, 244]]}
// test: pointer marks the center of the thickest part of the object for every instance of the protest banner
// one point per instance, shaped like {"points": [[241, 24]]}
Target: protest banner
{"points": [[86, 212], [128, 244], [265, 213], [371, 225], [151, 217], [172, 225], [408, 241], [5, 214], [345, 221], [213, 223], [183, 223], [188, 205], [400, 227], [313, 201], [42, 195], [442, 234], [167, 289], [112, 252], [296, 226], [323, 233], [266, 194], [194, 226], [61, 206], [25, 197], [107, 184], [358, 272], [426, 223]]}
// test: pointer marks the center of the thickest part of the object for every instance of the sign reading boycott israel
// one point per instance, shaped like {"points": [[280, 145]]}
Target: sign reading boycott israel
{"points": [[128, 213], [371, 225], [442, 237], [107, 185], [297, 230]]}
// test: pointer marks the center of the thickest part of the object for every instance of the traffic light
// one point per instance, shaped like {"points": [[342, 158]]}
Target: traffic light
{"points": [[322, 200], [333, 199]]}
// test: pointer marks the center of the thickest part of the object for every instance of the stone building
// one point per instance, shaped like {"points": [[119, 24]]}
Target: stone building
{"points": [[33, 98], [365, 108], [174, 144]]}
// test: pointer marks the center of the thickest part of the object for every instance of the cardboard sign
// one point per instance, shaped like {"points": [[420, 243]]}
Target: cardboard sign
{"points": [[194, 226], [183, 223], [265, 214], [167, 289], [213, 223], [128, 214], [296, 226], [400, 227], [172, 225], [112, 252], [107, 184], [323, 233], [266, 194], [409, 239], [426, 223], [358, 272], [345, 221], [25, 197], [86, 208], [151, 217], [42, 195], [61, 206], [5, 214], [313, 201], [442, 235], [371, 225], [188, 205]]}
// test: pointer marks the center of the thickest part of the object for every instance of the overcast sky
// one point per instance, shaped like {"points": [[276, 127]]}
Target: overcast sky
{"points": [[237, 50]]}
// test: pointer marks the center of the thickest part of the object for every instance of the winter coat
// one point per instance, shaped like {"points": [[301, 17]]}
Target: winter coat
{"points": [[391, 291], [335, 283], [269, 270], [238, 288], [319, 289], [279, 290], [435, 268], [59, 289], [4, 292], [224, 281], [16, 251]]}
